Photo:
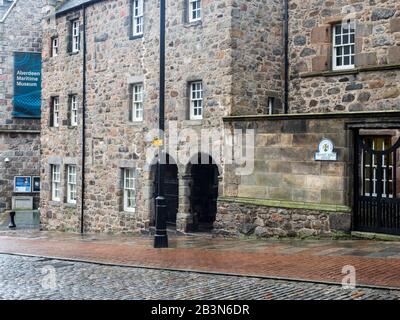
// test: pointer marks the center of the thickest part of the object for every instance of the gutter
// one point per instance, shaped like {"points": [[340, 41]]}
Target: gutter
{"points": [[8, 11], [83, 118], [286, 58]]}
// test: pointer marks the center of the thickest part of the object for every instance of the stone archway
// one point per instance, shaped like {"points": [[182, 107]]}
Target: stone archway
{"points": [[204, 196], [198, 194], [171, 190]]}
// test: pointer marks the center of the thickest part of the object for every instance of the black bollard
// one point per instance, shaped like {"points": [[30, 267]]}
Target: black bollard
{"points": [[12, 220]]}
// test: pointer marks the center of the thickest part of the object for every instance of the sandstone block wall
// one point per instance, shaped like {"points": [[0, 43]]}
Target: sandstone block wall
{"points": [[284, 165]]}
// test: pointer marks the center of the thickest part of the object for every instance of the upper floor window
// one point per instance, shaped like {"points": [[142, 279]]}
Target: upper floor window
{"points": [[343, 46], [137, 102], [271, 104], [75, 35], [196, 100], [194, 10], [137, 17], [129, 190], [55, 182], [73, 110], [71, 184], [54, 47], [55, 112]]}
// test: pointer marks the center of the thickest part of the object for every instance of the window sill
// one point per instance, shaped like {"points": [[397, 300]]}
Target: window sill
{"points": [[128, 212], [54, 203], [73, 53], [198, 23], [72, 127], [70, 205], [132, 37], [194, 122], [357, 70], [135, 123]]}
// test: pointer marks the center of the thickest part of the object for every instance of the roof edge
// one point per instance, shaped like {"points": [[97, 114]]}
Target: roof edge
{"points": [[60, 11]]}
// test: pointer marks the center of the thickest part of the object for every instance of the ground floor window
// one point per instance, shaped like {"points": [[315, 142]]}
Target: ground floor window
{"points": [[71, 184], [55, 182], [129, 190]]}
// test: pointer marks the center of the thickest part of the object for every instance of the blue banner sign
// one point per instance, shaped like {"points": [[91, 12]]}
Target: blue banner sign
{"points": [[22, 184], [27, 84]]}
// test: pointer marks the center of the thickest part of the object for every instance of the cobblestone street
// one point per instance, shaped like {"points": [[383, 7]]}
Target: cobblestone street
{"points": [[42, 278]]}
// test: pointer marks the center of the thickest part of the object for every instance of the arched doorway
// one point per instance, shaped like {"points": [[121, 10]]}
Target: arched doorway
{"points": [[171, 186], [204, 194]]}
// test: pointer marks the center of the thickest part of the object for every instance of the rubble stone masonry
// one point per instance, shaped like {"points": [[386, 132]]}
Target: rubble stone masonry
{"points": [[19, 138], [314, 87]]}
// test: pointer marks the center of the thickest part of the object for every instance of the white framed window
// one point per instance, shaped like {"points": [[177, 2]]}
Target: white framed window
{"points": [[137, 17], [194, 10], [56, 112], [137, 102], [71, 184], [55, 182], [54, 47], [74, 110], [271, 103], [343, 46], [75, 36], [129, 190], [369, 173], [196, 100]]}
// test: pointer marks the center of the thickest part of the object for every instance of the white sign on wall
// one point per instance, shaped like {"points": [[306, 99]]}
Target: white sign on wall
{"points": [[325, 151]]}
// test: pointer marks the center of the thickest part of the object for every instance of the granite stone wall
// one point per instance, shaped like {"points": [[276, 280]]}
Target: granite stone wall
{"points": [[19, 138], [257, 49], [313, 87], [240, 219], [237, 51], [195, 51]]}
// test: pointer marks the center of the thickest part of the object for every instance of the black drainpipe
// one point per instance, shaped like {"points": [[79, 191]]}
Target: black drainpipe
{"points": [[83, 118], [286, 18]]}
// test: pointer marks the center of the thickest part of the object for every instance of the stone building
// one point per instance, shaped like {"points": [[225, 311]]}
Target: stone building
{"points": [[19, 133], [332, 83]]}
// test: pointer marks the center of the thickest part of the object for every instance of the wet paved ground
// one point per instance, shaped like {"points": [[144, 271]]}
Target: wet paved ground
{"points": [[39, 278], [375, 263]]}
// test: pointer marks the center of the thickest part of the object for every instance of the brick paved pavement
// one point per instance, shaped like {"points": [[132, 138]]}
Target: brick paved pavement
{"points": [[376, 263], [49, 279]]}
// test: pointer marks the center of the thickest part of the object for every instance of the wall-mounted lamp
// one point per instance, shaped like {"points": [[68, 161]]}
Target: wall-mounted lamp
{"points": [[7, 160]]}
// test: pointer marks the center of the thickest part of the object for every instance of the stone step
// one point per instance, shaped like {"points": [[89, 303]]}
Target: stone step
{"points": [[374, 236]]}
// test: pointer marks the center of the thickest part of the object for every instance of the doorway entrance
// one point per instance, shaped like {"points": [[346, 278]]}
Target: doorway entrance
{"points": [[377, 206], [204, 195], [171, 186]]}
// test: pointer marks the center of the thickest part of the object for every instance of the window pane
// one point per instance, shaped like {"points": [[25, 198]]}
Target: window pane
{"points": [[346, 60]]}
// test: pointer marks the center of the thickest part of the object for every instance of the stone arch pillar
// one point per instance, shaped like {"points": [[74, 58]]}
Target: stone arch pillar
{"points": [[185, 219]]}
